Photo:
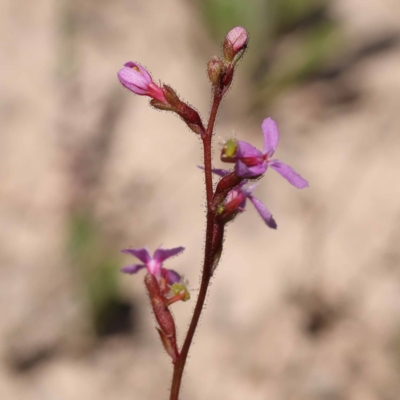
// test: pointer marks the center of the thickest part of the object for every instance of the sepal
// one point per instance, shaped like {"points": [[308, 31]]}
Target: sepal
{"points": [[169, 345], [215, 70], [217, 245], [163, 315], [186, 112]]}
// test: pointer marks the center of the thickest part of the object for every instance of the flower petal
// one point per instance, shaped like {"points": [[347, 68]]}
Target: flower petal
{"points": [[288, 173], [246, 150], [217, 171], [244, 171], [132, 269], [133, 80], [142, 254], [161, 255], [238, 37], [220, 172], [264, 212], [249, 189], [271, 136], [142, 70], [173, 276]]}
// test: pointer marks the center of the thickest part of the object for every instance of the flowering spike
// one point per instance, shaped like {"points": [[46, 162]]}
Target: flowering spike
{"points": [[223, 202]]}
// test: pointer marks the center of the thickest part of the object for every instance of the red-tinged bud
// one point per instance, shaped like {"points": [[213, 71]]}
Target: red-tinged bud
{"points": [[232, 206], [224, 186], [138, 80], [161, 311], [169, 345], [215, 70], [235, 44]]}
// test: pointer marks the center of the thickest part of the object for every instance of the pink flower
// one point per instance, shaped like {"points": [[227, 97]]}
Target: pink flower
{"points": [[154, 264], [252, 163], [137, 79]]}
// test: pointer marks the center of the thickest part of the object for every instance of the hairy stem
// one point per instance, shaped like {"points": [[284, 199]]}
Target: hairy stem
{"points": [[208, 256]]}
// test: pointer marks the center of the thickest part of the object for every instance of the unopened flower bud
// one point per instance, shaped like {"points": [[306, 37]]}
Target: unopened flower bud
{"points": [[138, 80], [235, 43], [215, 69], [224, 186], [233, 204], [230, 199]]}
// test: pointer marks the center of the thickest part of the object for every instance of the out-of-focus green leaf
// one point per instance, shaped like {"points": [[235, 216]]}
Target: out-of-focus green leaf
{"points": [[289, 39], [96, 267]]}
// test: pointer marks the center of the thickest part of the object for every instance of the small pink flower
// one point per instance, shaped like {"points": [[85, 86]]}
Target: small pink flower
{"points": [[137, 79], [252, 163], [154, 264]]}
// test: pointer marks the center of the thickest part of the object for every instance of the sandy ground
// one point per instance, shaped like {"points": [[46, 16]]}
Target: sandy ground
{"points": [[310, 311]]}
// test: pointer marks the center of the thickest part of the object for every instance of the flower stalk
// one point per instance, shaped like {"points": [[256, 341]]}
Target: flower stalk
{"points": [[166, 286]]}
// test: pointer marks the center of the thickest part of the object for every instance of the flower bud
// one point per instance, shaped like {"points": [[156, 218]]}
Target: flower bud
{"points": [[224, 186], [138, 80], [235, 43], [233, 204], [215, 69]]}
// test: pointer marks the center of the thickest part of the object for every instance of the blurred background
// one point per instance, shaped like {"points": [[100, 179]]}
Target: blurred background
{"points": [[308, 312]]}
